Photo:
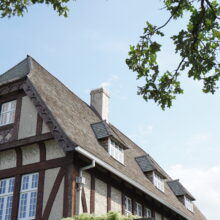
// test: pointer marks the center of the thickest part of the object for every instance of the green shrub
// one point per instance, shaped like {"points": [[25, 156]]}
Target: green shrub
{"points": [[108, 216]]}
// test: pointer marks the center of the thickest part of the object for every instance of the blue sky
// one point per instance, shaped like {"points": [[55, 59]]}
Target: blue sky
{"points": [[88, 50]]}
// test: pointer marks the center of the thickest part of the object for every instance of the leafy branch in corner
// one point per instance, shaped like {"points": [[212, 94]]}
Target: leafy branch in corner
{"points": [[198, 47]]}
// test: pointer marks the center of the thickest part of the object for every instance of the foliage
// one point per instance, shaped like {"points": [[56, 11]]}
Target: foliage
{"points": [[10, 8], [198, 46], [108, 216]]}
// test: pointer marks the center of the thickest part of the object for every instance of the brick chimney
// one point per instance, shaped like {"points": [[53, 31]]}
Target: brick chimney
{"points": [[100, 102]]}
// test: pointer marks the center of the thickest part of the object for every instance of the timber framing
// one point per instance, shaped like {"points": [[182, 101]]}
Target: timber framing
{"points": [[26, 141], [48, 118], [34, 167]]}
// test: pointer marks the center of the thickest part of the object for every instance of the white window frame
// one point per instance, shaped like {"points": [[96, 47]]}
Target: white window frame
{"points": [[29, 188], [7, 197], [158, 182], [188, 204], [148, 213], [128, 206], [116, 151], [138, 208], [7, 114]]}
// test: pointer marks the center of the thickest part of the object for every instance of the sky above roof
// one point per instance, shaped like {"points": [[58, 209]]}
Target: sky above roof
{"points": [[88, 49]]}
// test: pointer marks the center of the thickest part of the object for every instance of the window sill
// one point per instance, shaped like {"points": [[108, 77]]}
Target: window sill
{"points": [[117, 161], [5, 127]]}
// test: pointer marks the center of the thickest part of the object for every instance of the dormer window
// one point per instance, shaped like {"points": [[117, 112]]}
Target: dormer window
{"points": [[158, 182], [188, 203], [7, 114], [116, 151], [152, 171], [182, 194]]}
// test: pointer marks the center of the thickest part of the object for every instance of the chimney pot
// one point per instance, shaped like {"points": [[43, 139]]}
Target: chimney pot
{"points": [[100, 102]]}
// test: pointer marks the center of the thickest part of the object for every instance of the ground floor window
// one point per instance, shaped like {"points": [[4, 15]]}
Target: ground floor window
{"points": [[148, 213], [28, 197], [138, 209], [6, 197], [128, 206]]}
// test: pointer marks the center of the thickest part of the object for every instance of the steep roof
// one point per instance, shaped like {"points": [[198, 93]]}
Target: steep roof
{"points": [[75, 118]]}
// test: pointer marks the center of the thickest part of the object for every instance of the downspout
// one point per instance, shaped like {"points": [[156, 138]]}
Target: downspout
{"points": [[80, 180]]}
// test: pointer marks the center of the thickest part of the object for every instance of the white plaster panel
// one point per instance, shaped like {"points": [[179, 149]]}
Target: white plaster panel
{"points": [[116, 200], [158, 216], [7, 159], [50, 176], [30, 154], [87, 189], [100, 197], [57, 208], [45, 128], [28, 119], [53, 150]]}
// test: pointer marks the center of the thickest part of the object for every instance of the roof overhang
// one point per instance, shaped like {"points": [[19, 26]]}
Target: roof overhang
{"points": [[127, 179]]}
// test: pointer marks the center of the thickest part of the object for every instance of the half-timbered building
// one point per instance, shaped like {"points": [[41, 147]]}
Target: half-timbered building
{"points": [[60, 156]]}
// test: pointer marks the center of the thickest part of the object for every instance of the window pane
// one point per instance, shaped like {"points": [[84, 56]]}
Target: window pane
{"points": [[23, 205], [2, 186], [33, 204], [11, 185], [1, 207], [8, 208], [25, 181], [34, 181]]}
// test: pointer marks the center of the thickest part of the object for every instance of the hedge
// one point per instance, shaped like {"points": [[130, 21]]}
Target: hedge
{"points": [[108, 216]]}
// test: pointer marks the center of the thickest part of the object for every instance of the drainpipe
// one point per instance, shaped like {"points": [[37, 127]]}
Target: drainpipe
{"points": [[80, 180]]}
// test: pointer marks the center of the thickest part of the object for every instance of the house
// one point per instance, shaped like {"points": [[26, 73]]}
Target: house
{"points": [[60, 156]]}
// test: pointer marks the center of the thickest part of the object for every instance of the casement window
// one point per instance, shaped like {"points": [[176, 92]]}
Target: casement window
{"points": [[6, 198], [128, 206], [116, 151], [188, 203], [7, 114], [148, 213], [158, 182], [28, 197], [138, 209]]}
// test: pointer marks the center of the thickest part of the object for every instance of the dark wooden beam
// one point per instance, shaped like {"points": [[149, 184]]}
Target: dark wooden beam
{"points": [[26, 141], [40, 192], [53, 193], [35, 167], [83, 199], [39, 125], [92, 194], [109, 198]]}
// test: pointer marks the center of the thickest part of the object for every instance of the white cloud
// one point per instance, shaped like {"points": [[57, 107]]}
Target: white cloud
{"points": [[204, 184], [110, 81]]}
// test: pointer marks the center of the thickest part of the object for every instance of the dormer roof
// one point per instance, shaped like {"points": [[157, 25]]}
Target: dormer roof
{"points": [[147, 164], [179, 190]]}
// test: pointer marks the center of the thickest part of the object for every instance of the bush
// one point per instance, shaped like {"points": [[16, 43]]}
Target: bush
{"points": [[108, 216]]}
